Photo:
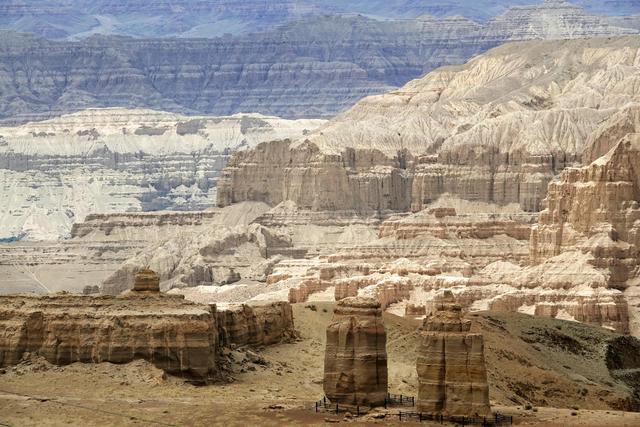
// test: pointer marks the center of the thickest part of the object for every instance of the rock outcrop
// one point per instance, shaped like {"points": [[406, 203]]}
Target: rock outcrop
{"points": [[452, 377], [596, 209], [593, 217], [175, 335], [217, 255], [355, 364], [178, 336], [146, 281], [497, 129], [256, 325]]}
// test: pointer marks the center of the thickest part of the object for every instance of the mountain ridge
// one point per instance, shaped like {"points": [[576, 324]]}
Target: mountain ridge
{"points": [[314, 67]]}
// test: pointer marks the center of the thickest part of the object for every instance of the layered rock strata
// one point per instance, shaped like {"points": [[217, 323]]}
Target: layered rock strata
{"points": [[56, 173], [355, 366], [596, 209], [146, 281], [257, 71], [256, 325], [176, 336], [214, 256], [593, 216], [497, 129], [452, 377]]}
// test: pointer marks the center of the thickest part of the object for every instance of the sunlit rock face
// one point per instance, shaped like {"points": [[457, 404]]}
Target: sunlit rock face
{"points": [[177, 336], [66, 329], [596, 209], [355, 364], [497, 129], [452, 376]]}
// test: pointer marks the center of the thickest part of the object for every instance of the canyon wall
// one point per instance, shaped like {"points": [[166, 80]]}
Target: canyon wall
{"points": [[256, 325], [497, 129], [595, 209], [73, 19]]}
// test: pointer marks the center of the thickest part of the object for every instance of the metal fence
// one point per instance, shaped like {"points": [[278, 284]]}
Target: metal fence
{"points": [[399, 400], [392, 400], [491, 420], [324, 405]]}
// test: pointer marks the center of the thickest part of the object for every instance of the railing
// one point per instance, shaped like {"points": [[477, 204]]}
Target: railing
{"points": [[491, 420], [324, 405], [497, 419], [399, 399]]}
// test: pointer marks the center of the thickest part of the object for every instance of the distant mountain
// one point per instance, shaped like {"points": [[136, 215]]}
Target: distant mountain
{"points": [[74, 19], [314, 67]]}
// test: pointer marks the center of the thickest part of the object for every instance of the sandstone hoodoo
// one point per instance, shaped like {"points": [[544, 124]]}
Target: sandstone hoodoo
{"points": [[146, 281], [355, 364], [452, 376]]}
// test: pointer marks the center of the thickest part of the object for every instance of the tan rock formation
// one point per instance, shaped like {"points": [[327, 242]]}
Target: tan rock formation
{"points": [[452, 376], [497, 129], [596, 209], [146, 281], [412, 310], [175, 335], [219, 255], [302, 292], [255, 325], [178, 336], [355, 365]]}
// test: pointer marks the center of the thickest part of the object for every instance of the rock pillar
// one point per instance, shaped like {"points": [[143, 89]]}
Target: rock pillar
{"points": [[355, 364], [452, 378]]}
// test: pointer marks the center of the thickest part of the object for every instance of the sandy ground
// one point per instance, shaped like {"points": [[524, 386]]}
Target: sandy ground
{"points": [[281, 393]]}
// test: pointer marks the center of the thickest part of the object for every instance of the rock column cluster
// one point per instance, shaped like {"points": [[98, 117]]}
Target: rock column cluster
{"points": [[355, 365], [452, 377]]}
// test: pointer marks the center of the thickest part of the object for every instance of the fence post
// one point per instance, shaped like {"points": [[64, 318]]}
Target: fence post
{"points": [[358, 410], [337, 409], [400, 415], [316, 406], [463, 421]]}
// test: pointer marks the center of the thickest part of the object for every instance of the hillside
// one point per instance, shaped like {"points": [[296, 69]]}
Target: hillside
{"points": [[314, 66]]}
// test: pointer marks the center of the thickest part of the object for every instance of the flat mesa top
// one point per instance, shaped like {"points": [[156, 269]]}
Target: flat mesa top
{"points": [[92, 306]]}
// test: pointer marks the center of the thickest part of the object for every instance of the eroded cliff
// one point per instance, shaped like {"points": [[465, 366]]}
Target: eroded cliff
{"points": [[497, 129]]}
